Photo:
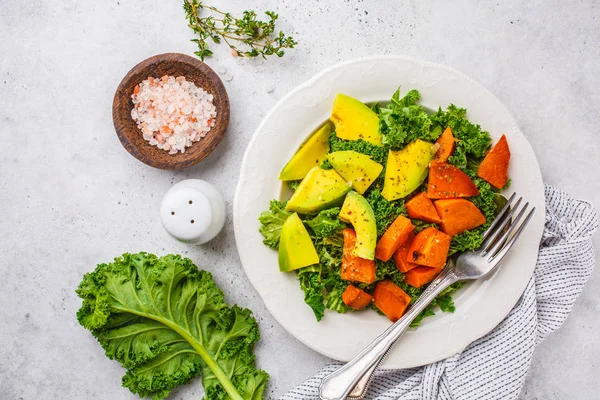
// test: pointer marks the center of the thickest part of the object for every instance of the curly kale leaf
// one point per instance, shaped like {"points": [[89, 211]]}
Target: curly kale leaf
{"points": [[471, 140], [271, 223], [294, 184], [443, 301], [377, 153], [167, 322], [313, 288], [326, 164], [408, 100], [333, 298], [485, 201], [321, 283], [326, 223], [421, 225], [387, 270], [385, 211], [403, 121]]}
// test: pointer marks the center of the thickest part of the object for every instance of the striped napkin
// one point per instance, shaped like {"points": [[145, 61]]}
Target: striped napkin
{"points": [[495, 366]]}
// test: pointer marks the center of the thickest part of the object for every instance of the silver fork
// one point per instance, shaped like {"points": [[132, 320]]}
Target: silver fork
{"points": [[351, 380]]}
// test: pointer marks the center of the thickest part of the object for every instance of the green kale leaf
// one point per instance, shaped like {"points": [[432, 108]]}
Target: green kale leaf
{"points": [[420, 225], [388, 270], [427, 312], [443, 301], [313, 288], [167, 322], [471, 140], [326, 223], [326, 164], [322, 283], [271, 223], [377, 153], [333, 298], [468, 240], [385, 211], [294, 184], [403, 121], [408, 100]]}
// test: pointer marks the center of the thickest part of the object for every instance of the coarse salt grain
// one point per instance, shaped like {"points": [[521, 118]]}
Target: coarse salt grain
{"points": [[172, 113]]}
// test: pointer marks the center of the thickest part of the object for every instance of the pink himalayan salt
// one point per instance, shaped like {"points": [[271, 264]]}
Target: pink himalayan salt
{"points": [[172, 113]]}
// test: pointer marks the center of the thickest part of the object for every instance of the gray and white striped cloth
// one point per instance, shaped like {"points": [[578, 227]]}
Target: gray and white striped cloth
{"points": [[495, 366]]}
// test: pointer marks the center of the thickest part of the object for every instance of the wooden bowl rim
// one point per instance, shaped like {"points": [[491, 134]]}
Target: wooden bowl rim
{"points": [[180, 160]]}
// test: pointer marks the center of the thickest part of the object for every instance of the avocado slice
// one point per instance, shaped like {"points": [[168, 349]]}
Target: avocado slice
{"points": [[407, 169], [357, 211], [354, 120], [311, 154], [320, 189], [356, 168], [296, 249]]}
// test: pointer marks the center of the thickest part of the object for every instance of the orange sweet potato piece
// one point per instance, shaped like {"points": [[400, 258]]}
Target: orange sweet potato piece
{"points": [[446, 142], [458, 215], [447, 181], [420, 276], [421, 207], [390, 299], [401, 255], [355, 298], [429, 248], [354, 268], [392, 239], [494, 167]]}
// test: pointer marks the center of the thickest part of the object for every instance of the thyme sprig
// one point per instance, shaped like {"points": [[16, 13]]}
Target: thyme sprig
{"points": [[246, 36]]}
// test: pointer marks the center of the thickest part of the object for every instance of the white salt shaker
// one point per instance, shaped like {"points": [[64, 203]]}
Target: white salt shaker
{"points": [[193, 211]]}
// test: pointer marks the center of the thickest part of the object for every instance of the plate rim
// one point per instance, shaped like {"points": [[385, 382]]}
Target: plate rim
{"points": [[487, 325]]}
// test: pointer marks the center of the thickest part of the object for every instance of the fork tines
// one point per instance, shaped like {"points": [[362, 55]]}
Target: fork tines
{"points": [[504, 231]]}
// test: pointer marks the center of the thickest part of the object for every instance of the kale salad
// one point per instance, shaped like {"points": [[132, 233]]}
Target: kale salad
{"points": [[383, 197]]}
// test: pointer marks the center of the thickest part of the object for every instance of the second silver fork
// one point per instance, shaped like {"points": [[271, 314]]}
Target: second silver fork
{"points": [[352, 380]]}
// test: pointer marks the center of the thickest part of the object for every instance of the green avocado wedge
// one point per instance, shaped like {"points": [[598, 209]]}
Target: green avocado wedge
{"points": [[356, 168], [357, 211], [407, 169], [354, 120], [311, 154], [320, 189], [296, 249]]}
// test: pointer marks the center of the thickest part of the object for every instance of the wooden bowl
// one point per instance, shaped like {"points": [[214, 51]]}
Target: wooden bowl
{"points": [[176, 65]]}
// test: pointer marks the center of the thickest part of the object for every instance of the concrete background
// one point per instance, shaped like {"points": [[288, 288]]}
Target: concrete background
{"points": [[72, 197]]}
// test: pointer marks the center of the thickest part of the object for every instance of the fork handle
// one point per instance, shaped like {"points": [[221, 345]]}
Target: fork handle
{"points": [[339, 384]]}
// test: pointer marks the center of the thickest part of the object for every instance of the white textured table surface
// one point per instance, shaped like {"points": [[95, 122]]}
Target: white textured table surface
{"points": [[72, 197]]}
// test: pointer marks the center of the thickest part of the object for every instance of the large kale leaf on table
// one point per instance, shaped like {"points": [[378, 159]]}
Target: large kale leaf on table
{"points": [[167, 322]]}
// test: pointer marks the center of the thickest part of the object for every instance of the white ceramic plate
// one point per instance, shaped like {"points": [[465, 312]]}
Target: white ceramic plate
{"points": [[480, 306]]}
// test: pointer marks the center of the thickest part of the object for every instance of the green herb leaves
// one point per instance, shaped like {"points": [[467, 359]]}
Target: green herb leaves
{"points": [[257, 38], [167, 322]]}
